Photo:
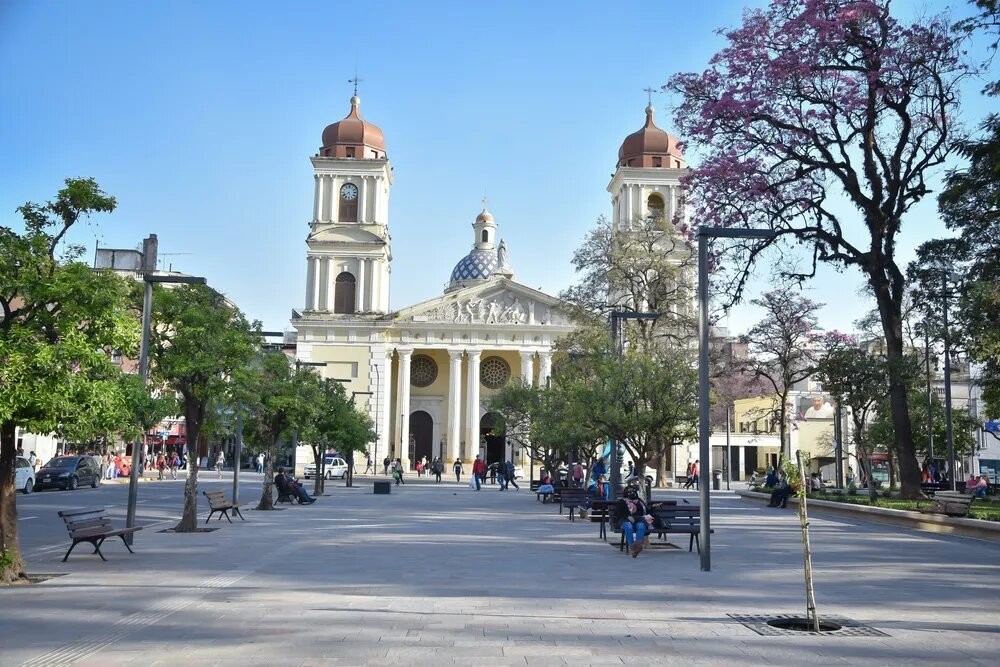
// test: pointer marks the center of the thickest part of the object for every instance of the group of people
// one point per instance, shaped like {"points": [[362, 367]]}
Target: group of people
{"points": [[503, 471], [291, 487], [693, 478], [977, 486], [434, 467], [168, 462]]}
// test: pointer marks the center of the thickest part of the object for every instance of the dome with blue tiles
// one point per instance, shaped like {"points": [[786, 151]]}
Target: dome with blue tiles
{"points": [[485, 260], [477, 265]]}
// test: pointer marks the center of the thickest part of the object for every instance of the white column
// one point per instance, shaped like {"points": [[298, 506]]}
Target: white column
{"points": [[359, 297], [323, 282], [545, 371], [454, 406], [311, 269], [376, 285], [385, 379], [363, 201], [528, 368], [404, 405], [315, 197], [322, 198], [472, 407]]}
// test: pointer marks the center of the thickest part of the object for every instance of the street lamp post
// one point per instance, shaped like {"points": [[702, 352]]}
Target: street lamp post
{"points": [[949, 431], [150, 277], [350, 454], [617, 315], [704, 450]]}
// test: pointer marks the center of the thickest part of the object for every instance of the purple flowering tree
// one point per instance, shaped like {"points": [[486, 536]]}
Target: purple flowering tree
{"points": [[815, 104]]}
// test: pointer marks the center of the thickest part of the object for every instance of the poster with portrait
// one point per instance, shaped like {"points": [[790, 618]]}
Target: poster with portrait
{"points": [[815, 406]]}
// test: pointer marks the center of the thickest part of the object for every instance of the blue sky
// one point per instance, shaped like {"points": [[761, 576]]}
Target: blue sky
{"points": [[201, 117]]}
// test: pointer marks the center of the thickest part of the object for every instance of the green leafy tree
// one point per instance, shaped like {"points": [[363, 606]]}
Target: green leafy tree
{"points": [[58, 321], [198, 342], [859, 381], [284, 402], [339, 424], [782, 348]]}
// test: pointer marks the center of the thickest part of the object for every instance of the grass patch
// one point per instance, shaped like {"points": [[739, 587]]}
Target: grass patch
{"points": [[980, 509]]}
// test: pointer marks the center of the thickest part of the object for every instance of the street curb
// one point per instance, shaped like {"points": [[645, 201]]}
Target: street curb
{"points": [[935, 523]]}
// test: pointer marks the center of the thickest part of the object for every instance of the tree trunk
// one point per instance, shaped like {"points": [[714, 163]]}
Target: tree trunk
{"points": [[786, 447], [319, 454], [11, 564], [266, 499], [892, 326], [811, 612], [194, 412], [661, 468]]}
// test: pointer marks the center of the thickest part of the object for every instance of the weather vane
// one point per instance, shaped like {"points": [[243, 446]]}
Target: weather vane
{"points": [[355, 81]]}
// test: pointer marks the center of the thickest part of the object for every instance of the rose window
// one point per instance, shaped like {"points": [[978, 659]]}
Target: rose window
{"points": [[423, 371], [494, 372]]}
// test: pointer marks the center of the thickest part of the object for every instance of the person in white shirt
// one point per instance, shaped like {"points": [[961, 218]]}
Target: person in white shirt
{"points": [[819, 409]]}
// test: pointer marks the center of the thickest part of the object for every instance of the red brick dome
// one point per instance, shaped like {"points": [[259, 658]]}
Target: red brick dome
{"points": [[353, 137], [650, 147]]}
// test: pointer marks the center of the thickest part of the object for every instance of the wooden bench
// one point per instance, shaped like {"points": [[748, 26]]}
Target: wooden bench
{"points": [[600, 512], [217, 503], [949, 503], [572, 498], [683, 519], [92, 525]]}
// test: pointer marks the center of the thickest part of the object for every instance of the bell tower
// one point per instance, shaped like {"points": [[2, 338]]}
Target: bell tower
{"points": [[349, 249], [647, 180]]}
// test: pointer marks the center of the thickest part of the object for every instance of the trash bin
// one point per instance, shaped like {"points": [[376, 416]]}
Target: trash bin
{"points": [[383, 487], [716, 479]]}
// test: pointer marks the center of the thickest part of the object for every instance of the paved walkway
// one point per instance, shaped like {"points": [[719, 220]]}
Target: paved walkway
{"points": [[439, 574]]}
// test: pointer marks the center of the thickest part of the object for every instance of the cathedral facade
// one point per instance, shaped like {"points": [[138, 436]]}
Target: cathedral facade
{"points": [[423, 372]]}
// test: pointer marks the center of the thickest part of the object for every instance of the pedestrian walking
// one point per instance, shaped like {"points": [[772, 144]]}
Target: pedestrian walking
{"points": [[500, 469], [260, 463], [511, 476], [458, 471], [694, 475], [438, 468], [220, 460], [385, 465], [161, 466], [369, 466], [689, 476], [479, 471], [175, 463], [399, 471]]}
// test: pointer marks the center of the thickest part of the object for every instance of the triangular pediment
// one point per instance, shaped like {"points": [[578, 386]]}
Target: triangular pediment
{"points": [[344, 234], [498, 301]]}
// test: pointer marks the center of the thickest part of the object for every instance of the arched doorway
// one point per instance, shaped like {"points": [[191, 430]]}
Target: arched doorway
{"points": [[422, 430], [494, 442]]}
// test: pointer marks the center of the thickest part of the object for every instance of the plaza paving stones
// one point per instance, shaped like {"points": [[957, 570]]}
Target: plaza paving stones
{"points": [[440, 574]]}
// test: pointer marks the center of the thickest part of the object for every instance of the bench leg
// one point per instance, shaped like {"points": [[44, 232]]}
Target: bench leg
{"points": [[72, 546], [237, 511], [125, 542], [97, 549], [209, 516], [571, 509], [225, 513]]}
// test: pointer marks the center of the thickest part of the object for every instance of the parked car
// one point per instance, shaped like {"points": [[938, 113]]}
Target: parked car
{"points": [[69, 472], [24, 475], [333, 466]]}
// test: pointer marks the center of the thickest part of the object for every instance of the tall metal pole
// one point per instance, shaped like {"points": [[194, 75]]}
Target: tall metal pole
{"points": [[703, 405], [614, 460], [238, 456], [838, 437], [133, 477], [930, 403], [949, 435], [729, 451]]}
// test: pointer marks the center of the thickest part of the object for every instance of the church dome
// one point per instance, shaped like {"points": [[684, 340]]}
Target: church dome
{"points": [[479, 264], [352, 135], [650, 147]]}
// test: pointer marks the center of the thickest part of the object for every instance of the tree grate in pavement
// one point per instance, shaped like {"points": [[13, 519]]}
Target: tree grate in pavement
{"points": [[848, 628]]}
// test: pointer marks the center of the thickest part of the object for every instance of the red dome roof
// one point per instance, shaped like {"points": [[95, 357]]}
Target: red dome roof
{"points": [[350, 137], [650, 147]]}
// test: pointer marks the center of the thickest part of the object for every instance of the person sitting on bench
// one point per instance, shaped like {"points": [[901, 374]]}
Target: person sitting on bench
{"points": [[779, 497], [545, 488], [977, 487], [635, 520], [292, 487]]}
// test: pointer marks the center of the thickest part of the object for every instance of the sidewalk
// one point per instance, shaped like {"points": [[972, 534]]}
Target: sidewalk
{"points": [[440, 574]]}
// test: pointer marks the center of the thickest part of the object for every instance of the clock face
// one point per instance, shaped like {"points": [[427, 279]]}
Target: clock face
{"points": [[349, 192]]}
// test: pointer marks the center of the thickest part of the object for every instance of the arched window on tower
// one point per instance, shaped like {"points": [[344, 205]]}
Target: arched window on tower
{"points": [[486, 236], [343, 293], [348, 210], [654, 206]]}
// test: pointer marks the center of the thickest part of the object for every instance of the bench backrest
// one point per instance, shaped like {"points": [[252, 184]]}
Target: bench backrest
{"points": [[216, 498], [86, 521], [573, 495]]}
